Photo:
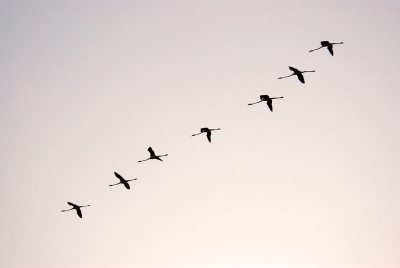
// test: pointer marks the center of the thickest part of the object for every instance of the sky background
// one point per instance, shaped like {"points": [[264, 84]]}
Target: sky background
{"points": [[87, 86]]}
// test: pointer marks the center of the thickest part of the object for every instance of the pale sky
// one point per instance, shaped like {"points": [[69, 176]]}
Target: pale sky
{"points": [[87, 86]]}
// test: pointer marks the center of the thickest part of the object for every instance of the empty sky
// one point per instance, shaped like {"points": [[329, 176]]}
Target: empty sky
{"points": [[87, 86]]}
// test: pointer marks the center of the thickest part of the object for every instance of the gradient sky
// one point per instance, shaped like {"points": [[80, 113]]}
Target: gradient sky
{"points": [[87, 86]]}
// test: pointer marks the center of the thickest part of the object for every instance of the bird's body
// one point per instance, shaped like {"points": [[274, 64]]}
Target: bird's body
{"points": [[153, 155], [298, 73], [267, 99], [208, 131], [122, 181], [78, 209], [328, 45]]}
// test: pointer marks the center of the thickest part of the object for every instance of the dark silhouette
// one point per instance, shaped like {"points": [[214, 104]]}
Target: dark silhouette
{"points": [[328, 45], [122, 181], [208, 131], [298, 73], [153, 155], [267, 99], [78, 208]]}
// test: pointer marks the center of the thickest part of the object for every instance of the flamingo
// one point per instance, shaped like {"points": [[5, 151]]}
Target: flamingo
{"points": [[328, 45], [122, 181], [78, 208], [298, 73], [152, 155], [267, 99], [208, 131]]}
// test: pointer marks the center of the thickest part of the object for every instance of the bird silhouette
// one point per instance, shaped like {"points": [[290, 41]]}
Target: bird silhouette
{"points": [[206, 130], [298, 73], [78, 208], [122, 181], [328, 45], [267, 99], [153, 155]]}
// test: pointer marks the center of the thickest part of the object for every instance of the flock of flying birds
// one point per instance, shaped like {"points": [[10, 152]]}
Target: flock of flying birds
{"points": [[266, 98]]}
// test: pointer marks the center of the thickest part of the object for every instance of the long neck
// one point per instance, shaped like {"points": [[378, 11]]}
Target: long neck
{"points": [[254, 102], [285, 76], [67, 209], [314, 49]]}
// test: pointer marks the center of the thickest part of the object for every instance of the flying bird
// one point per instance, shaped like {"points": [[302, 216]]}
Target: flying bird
{"points": [[153, 155], [122, 181], [206, 130], [267, 99], [78, 208], [298, 73], [328, 45]]}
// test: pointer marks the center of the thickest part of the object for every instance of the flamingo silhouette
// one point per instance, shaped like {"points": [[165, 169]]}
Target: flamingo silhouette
{"points": [[298, 73], [122, 181], [153, 155], [208, 131], [328, 45], [78, 208], [267, 99]]}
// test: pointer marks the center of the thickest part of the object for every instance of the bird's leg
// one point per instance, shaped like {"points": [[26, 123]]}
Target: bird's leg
{"points": [[315, 49], [308, 71], [84, 206], [255, 102], [277, 98], [285, 76], [132, 180], [337, 43], [214, 129]]}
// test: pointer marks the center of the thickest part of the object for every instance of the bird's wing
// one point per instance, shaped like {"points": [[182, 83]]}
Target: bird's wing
{"points": [[269, 103], [293, 69], [209, 136], [71, 204], [119, 176], [301, 77], [127, 185], [330, 48], [151, 151], [78, 211]]}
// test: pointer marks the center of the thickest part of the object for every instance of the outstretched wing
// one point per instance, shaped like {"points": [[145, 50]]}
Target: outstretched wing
{"points": [[209, 136], [301, 77], [119, 176], [293, 69], [330, 48], [269, 103], [127, 185], [78, 211], [72, 204], [151, 151]]}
